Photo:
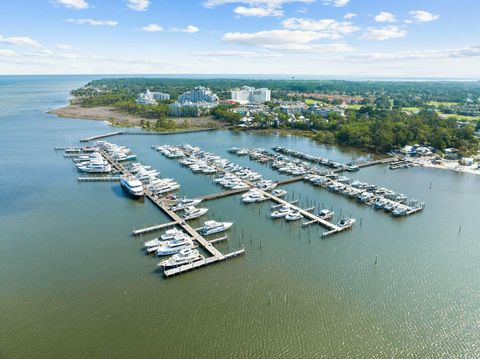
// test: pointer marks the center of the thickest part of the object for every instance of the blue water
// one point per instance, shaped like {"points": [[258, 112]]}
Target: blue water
{"points": [[74, 283]]}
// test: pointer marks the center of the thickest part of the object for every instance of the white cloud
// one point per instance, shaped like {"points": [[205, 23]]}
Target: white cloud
{"points": [[7, 53], [152, 28], [285, 40], [336, 3], [19, 40], [384, 33], [385, 17], [138, 5], [275, 3], [330, 28], [64, 47], [243, 54], [258, 11], [473, 51], [93, 22], [349, 16], [423, 16], [72, 4], [189, 29]]}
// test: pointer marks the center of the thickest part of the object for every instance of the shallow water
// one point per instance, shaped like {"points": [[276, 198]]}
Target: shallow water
{"points": [[74, 283]]}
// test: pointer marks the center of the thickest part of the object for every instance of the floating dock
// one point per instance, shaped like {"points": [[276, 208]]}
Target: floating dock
{"points": [[97, 137], [99, 179], [154, 228], [215, 254]]}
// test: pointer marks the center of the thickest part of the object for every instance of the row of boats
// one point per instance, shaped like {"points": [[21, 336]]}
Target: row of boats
{"points": [[378, 197], [180, 246]]}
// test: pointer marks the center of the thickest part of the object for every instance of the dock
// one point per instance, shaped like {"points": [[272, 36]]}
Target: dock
{"points": [[332, 228], [99, 179], [215, 254], [290, 180], [232, 192], [154, 228], [201, 263], [97, 137]]}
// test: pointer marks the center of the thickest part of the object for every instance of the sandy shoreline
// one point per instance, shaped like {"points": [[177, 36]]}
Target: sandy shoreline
{"points": [[450, 165], [119, 119]]}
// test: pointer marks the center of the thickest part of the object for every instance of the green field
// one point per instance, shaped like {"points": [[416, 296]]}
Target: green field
{"points": [[461, 117], [411, 109], [354, 107], [309, 101], [442, 104]]}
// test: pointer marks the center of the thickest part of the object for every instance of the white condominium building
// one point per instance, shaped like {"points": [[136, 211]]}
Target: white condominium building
{"points": [[198, 94], [251, 95], [150, 98]]}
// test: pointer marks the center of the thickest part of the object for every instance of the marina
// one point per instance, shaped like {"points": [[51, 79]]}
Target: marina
{"points": [[372, 195], [214, 164]]}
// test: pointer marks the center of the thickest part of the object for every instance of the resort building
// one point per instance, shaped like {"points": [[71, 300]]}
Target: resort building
{"points": [[190, 109], [251, 95], [150, 98], [198, 94]]}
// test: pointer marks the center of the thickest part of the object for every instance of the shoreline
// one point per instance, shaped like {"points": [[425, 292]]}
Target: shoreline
{"points": [[116, 118], [449, 165]]}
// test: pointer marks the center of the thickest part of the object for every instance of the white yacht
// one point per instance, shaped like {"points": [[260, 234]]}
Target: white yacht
{"points": [[170, 234], [212, 227], [293, 216], [346, 222], [185, 256], [253, 196], [326, 214], [185, 202], [193, 212], [279, 192], [174, 246], [281, 212], [132, 185]]}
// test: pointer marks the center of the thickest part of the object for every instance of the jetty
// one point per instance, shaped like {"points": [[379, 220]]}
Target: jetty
{"points": [[215, 254], [97, 137], [99, 179], [157, 227], [313, 219]]}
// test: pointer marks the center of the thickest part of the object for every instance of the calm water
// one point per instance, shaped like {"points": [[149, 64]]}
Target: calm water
{"points": [[74, 283]]}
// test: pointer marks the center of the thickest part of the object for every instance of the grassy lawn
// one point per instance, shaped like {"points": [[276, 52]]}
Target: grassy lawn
{"points": [[354, 107], [411, 109], [309, 101], [461, 117], [441, 104]]}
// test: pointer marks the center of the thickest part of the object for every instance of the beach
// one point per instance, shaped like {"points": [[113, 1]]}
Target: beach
{"points": [[120, 119]]}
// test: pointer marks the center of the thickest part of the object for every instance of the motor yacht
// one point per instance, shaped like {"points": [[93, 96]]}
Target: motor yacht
{"points": [[326, 214], [132, 185], [293, 216], [346, 222], [212, 227], [185, 256], [174, 246], [193, 212]]}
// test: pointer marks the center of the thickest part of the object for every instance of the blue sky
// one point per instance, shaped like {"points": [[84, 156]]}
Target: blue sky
{"points": [[396, 38]]}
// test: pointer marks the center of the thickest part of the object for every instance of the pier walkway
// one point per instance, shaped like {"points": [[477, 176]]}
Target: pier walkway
{"points": [[215, 254]]}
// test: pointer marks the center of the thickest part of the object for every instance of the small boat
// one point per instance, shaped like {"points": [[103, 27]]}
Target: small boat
{"points": [[132, 185], [253, 196], [154, 244], [326, 214], [281, 212], [187, 255], [185, 202], [174, 246], [293, 216], [170, 234], [193, 212], [279, 192], [346, 222], [212, 227]]}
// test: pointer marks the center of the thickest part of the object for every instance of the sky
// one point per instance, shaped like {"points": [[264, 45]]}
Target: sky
{"points": [[376, 38]]}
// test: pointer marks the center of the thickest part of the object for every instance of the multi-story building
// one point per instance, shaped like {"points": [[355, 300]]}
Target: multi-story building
{"points": [[198, 94], [248, 95], [150, 98], [190, 109]]}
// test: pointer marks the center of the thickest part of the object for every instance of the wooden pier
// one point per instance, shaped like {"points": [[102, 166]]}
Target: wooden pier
{"points": [[215, 254], [201, 263], [290, 180], [97, 137], [232, 192], [99, 179], [313, 218], [154, 228]]}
